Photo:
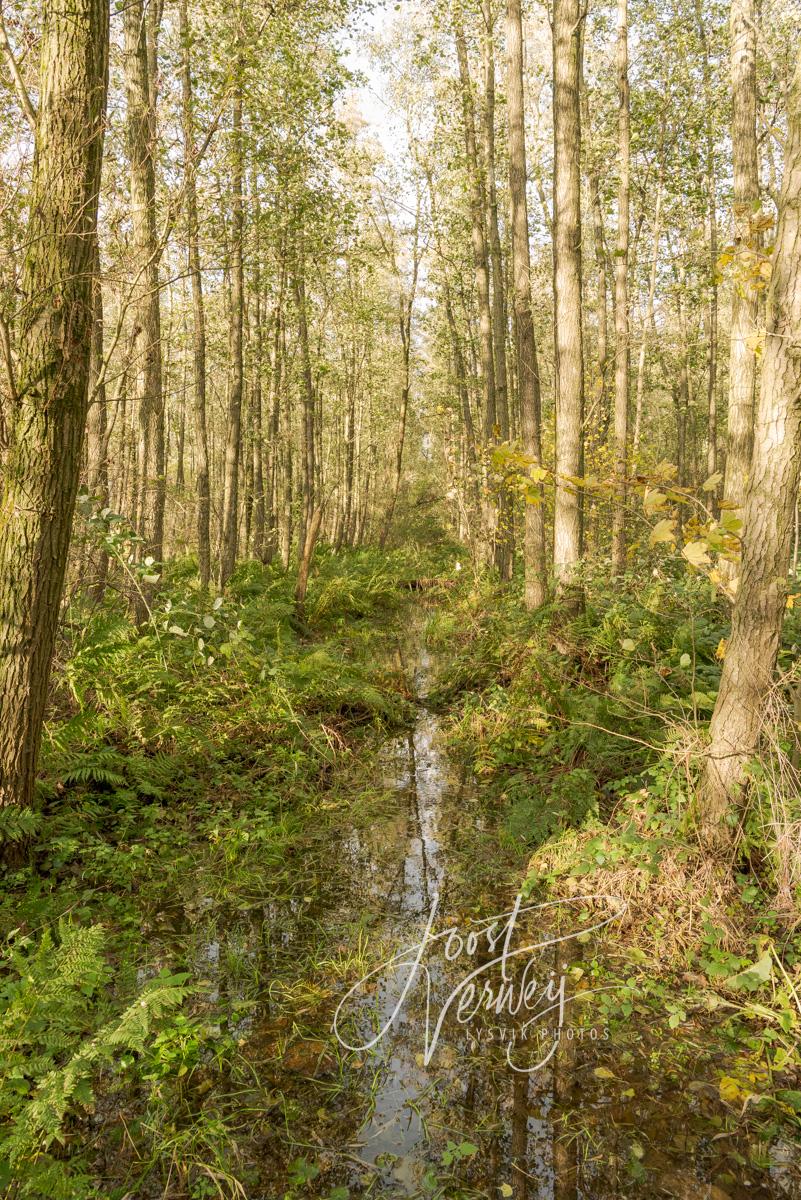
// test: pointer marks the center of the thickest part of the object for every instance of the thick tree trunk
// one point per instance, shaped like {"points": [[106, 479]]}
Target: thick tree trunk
{"points": [[41, 470], [568, 341], [742, 358], [198, 310], [145, 299], [768, 515], [233, 443], [528, 376], [622, 349]]}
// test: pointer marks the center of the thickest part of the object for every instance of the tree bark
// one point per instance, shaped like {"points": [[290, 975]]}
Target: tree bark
{"points": [[41, 471], [768, 516], [568, 338], [528, 376]]}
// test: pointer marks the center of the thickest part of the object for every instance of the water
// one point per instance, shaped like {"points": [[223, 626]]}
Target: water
{"points": [[607, 1117]]}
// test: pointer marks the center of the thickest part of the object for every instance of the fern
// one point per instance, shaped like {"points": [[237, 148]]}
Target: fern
{"points": [[17, 824], [52, 1042]]}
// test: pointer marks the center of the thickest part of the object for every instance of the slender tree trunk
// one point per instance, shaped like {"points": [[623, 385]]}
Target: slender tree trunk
{"points": [[145, 300], [198, 310], [481, 264], [568, 340], [97, 428], [528, 376], [742, 358], [622, 350], [599, 410], [309, 405], [42, 467], [504, 544], [768, 515], [648, 318], [233, 444], [405, 306], [712, 239]]}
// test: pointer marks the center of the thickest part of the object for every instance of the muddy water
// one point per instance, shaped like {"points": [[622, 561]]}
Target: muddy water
{"points": [[600, 1119]]}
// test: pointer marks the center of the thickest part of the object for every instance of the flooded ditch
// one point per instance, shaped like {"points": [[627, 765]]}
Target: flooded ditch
{"points": [[607, 1115]]}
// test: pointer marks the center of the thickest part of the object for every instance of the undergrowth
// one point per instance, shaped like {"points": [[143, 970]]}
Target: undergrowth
{"points": [[589, 731], [189, 776]]}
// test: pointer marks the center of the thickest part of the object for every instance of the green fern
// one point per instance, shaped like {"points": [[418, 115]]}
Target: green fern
{"points": [[53, 1041]]}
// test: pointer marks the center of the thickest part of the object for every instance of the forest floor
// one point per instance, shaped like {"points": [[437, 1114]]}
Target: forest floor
{"points": [[255, 818]]}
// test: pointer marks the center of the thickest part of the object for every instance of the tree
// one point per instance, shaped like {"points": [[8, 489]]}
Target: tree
{"points": [[233, 442], [528, 375], [42, 468], [768, 515], [198, 310], [742, 358], [622, 348], [568, 342], [145, 290]]}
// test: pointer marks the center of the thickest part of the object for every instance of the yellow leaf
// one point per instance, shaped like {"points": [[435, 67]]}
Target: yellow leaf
{"points": [[537, 474], [720, 653], [603, 1073], [712, 482], [695, 553], [663, 531], [792, 599], [653, 501], [730, 1090]]}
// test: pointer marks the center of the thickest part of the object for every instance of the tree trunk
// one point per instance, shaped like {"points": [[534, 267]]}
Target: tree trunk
{"points": [[233, 444], [198, 310], [568, 343], [648, 318], [768, 512], [504, 542], [742, 359], [41, 470], [528, 376], [712, 239], [622, 351], [97, 429], [308, 415], [481, 264], [145, 297]]}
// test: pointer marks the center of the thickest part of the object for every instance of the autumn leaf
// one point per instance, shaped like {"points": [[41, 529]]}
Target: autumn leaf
{"points": [[710, 484], [695, 553], [663, 531], [653, 501]]}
